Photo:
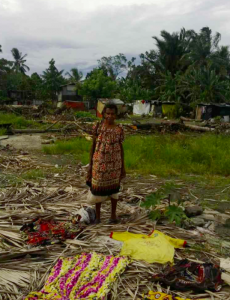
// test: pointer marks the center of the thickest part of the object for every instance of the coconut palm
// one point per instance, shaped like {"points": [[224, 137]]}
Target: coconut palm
{"points": [[204, 47], [171, 50], [75, 75], [19, 64]]}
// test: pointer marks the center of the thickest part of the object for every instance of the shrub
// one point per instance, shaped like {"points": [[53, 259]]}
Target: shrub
{"points": [[85, 115], [3, 131]]}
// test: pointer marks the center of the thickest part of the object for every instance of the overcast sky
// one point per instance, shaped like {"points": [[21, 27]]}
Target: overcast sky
{"points": [[76, 33]]}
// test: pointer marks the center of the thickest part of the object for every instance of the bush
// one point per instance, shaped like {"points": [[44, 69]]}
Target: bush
{"points": [[85, 115]]}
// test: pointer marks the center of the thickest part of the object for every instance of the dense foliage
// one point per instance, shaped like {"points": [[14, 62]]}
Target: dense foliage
{"points": [[185, 67]]}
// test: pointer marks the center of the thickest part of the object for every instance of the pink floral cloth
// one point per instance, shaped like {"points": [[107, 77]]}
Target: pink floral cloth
{"points": [[85, 276]]}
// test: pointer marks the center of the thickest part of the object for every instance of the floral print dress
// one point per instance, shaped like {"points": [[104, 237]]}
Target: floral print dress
{"points": [[107, 160]]}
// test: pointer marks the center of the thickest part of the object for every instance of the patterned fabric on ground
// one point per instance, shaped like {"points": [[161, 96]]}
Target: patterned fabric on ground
{"points": [[46, 232], [85, 276], [154, 248], [186, 275], [162, 296]]}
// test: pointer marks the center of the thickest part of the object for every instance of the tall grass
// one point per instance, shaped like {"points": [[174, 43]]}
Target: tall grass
{"points": [[164, 154], [18, 122], [3, 131], [174, 155], [79, 147]]}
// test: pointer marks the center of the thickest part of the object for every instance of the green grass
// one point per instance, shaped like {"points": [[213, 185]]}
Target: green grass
{"points": [[33, 174], [18, 122], [3, 131], [163, 155], [79, 147]]}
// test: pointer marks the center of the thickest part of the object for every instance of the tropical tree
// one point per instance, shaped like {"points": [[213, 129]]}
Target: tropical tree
{"points": [[19, 64], [202, 45], [144, 74], [5, 66], [75, 75], [98, 85], [220, 60], [53, 80], [130, 90], [38, 87], [170, 53], [204, 85], [167, 89], [5, 72], [115, 65]]}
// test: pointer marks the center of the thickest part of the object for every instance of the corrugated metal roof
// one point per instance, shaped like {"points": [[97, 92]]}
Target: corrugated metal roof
{"points": [[112, 101], [214, 104]]}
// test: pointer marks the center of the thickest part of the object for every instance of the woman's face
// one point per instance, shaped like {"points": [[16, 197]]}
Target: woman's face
{"points": [[110, 115]]}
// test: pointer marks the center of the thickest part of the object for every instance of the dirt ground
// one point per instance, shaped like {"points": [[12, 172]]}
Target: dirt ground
{"points": [[23, 141], [62, 189]]}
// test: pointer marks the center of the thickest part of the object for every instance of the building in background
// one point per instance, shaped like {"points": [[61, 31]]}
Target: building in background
{"points": [[68, 96], [17, 97], [212, 110]]}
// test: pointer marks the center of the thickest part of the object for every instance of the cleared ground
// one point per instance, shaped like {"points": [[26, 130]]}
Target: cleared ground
{"points": [[26, 142]]}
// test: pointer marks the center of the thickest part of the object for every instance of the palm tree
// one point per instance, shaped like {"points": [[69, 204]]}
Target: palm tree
{"points": [[171, 50], [204, 85], [75, 75], [19, 64], [203, 46]]}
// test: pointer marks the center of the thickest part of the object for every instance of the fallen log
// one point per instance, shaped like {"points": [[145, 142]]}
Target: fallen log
{"points": [[199, 128], [4, 137], [190, 120], [35, 130]]}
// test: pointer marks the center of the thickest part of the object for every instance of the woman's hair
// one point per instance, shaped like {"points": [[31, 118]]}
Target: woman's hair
{"points": [[110, 106]]}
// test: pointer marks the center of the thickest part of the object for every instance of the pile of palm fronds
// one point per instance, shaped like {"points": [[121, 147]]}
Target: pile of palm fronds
{"points": [[24, 269]]}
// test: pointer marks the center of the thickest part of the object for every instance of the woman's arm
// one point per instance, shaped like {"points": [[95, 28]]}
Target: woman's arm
{"points": [[89, 173], [92, 151], [123, 172]]}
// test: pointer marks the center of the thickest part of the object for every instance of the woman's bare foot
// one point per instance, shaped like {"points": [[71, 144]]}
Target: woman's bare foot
{"points": [[113, 221]]}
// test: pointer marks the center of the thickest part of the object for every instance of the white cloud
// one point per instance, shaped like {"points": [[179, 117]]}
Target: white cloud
{"points": [[78, 32]]}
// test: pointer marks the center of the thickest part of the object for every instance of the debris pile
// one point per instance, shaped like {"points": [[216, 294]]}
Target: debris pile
{"points": [[25, 268]]}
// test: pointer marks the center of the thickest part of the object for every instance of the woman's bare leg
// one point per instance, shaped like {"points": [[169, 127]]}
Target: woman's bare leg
{"points": [[98, 213], [113, 209]]}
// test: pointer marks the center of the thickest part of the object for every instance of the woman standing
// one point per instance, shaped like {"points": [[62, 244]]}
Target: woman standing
{"points": [[106, 167]]}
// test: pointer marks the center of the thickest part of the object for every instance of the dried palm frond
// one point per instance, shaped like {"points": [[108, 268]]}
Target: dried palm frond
{"points": [[24, 269]]}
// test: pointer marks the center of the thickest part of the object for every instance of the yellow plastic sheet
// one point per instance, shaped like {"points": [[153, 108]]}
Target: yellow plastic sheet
{"points": [[154, 248], [162, 296], [169, 110], [100, 106]]}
